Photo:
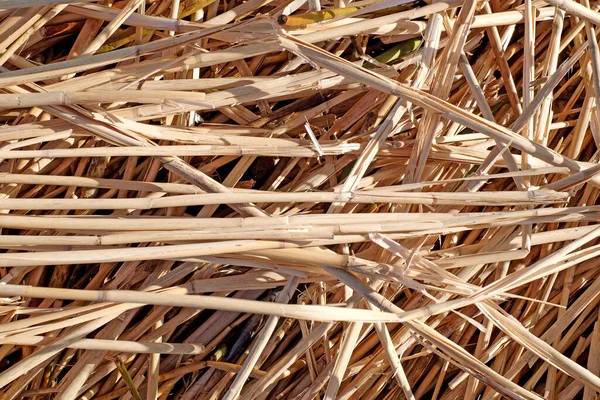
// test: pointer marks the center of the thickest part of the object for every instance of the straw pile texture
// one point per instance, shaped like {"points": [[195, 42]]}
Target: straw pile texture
{"points": [[299, 199]]}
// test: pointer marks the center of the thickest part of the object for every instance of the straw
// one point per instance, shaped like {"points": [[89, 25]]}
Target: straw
{"points": [[297, 200]]}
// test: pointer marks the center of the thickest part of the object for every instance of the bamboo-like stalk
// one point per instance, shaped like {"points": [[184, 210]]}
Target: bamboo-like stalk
{"points": [[112, 345], [8, 4], [320, 313], [535, 197], [65, 98], [138, 20], [577, 9]]}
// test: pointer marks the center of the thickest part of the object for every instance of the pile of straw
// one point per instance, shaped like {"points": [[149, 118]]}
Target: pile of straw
{"points": [[299, 199]]}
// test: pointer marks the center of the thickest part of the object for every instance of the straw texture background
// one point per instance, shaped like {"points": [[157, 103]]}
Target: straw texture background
{"points": [[299, 199]]}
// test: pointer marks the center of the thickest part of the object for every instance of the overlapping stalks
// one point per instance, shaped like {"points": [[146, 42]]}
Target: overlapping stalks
{"points": [[299, 199]]}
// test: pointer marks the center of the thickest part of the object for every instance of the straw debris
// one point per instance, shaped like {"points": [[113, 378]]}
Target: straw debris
{"points": [[299, 199]]}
